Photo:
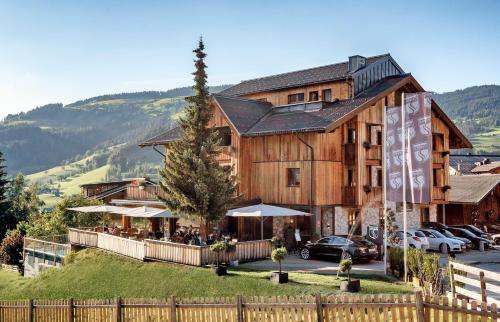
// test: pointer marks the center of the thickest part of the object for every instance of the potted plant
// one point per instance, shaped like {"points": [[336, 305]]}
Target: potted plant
{"points": [[446, 188], [217, 248], [349, 285], [367, 188], [278, 255], [142, 185], [366, 145]]}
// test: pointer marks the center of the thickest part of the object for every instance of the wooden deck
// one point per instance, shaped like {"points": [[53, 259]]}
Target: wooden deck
{"points": [[167, 251]]}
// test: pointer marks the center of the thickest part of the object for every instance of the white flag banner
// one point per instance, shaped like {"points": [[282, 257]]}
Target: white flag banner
{"points": [[418, 142]]}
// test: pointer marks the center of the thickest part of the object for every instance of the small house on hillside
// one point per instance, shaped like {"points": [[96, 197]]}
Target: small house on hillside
{"points": [[312, 140]]}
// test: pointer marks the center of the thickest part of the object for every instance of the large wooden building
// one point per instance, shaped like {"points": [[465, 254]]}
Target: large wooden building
{"points": [[312, 140]]}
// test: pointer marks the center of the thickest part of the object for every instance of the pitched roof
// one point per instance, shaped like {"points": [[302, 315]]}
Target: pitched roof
{"points": [[471, 189], [163, 138], [242, 113], [486, 167], [296, 78], [468, 162]]}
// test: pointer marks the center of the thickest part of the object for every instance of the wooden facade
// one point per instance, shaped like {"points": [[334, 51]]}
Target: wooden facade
{"points": [[337, 167]]}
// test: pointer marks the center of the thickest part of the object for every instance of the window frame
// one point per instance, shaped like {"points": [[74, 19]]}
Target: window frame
{"points": [[312, 93], [294, 98], [291, 174], [323, 92]]}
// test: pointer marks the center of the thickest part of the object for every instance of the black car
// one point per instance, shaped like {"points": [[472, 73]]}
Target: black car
{"points": [[462, 232], [434, 225], [476, 231], [340, 247]]}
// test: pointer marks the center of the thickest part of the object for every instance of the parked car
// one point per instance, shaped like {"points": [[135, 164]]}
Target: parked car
{"points": [[340, 247], [440, 242], [496, 239], [461, 232], [447, 233], [433, 225], [416, 239], [476, 231]]}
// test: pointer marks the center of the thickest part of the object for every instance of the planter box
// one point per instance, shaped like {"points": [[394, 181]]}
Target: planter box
{"points": [[279, 278], [352, 286], [220, 271]]}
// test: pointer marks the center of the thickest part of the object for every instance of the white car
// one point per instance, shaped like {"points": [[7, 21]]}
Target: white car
{"points": [[441, 243], [496, 239], [416, 239]]}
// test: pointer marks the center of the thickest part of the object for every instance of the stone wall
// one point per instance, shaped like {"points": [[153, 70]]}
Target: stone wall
{"points": [[341, 221]]}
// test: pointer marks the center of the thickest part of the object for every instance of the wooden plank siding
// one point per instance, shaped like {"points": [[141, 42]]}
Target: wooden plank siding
{"points": [[340, 90]]}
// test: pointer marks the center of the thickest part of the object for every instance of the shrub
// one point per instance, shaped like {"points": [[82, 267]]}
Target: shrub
{"points": [[278, 255], [218, 247], [431, 274], [345, 266], [396, 258], [415, 261], [11, 249]]}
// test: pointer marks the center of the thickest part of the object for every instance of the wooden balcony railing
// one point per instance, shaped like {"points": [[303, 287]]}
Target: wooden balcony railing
{"points": [[438, 193], [349, 195], [350, 153], [374, 152], [225, 154], [375, 195], [144, 193]]}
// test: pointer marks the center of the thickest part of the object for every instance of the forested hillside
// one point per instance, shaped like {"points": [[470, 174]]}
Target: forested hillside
{"points": [[54, 134], [476, 111]]}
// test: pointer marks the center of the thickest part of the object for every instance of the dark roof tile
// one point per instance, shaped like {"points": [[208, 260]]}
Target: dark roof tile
{"points": [[296, 78]]}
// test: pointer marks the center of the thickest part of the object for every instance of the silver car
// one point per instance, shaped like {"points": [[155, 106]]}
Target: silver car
{"points": [[441, 243]]}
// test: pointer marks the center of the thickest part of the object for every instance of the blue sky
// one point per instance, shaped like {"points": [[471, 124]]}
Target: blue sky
{"points": [[62, 51]]}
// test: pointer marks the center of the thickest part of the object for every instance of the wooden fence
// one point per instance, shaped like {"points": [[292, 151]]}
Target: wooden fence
{"points": [[82, 237], [120, 245], [370, 308], [474, 283], [167, 251]]}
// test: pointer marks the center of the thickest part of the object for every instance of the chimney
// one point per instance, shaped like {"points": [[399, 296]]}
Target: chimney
{"points": [[356, 62]]}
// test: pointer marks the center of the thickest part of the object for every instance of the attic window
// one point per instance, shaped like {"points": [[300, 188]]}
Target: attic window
{"points": [[295, 98], [313, 96], [224, 136]]}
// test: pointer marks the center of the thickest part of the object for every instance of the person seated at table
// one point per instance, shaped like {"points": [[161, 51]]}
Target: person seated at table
{"points": [[116, 231]]}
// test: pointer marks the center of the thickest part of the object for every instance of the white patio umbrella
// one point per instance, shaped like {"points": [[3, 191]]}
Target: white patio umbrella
{"points": [[98, 208], [145, 212], [264, 211]]}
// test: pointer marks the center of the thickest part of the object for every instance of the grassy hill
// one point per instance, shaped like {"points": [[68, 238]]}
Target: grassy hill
{"points": [[475, 110], [55, 134], [94, 274]]}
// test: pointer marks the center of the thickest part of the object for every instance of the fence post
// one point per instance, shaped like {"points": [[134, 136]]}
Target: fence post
{"points": [[420, 306], [319, 308], [483, 286], [173, 308], [452, 281], [239, 308], [30, 311], [118, 317], [71, 316]]}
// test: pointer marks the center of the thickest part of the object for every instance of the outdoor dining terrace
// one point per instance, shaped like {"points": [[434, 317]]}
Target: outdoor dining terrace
{"points": [[162, 250]]}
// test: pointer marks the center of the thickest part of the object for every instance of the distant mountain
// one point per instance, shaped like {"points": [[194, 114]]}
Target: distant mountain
{"points": [[54, 134], [476, 111]]}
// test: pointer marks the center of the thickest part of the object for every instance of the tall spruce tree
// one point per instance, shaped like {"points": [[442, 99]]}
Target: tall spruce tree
{"points": [[4, 204], [196, 185]]}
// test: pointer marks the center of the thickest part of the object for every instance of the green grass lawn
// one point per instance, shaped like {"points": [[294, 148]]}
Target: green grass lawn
{"points": [[96, 274]]}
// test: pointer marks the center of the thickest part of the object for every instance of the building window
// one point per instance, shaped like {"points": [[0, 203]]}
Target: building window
{"points": [[351, 135], [375, 134], [295, 98], [224, 136], [293, 177], [350, 178], [327, 95], [424, 215], [354, 223], [376, 176], [313, 96]]}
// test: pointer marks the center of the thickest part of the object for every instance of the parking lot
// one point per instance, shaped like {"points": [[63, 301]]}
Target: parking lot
{"points": [[489, 260]]}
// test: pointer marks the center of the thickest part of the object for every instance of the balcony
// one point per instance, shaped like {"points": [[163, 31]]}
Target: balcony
{"points": [[374, 152], [349, 195], [375, 195], [349, 153], [438, 193], [225, 154], [438, 156]]}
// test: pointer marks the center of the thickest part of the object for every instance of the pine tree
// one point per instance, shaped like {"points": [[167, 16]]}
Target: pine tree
{"points": [[4, 205], [196, 185]]}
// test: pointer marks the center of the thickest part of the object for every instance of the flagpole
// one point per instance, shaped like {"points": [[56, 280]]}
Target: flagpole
{"points": [[405, 228], [384, 187]]}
